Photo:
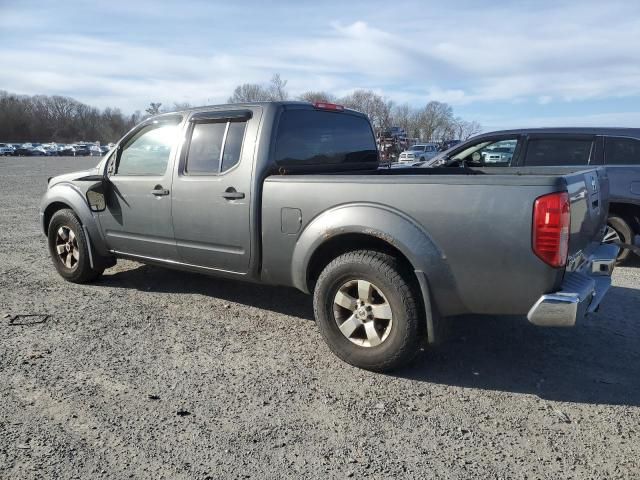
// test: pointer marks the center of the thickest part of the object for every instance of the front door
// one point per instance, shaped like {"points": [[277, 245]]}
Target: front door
{"points": [[212, 190], [137, 218]]}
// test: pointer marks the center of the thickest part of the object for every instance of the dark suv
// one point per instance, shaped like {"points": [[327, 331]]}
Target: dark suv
{"points": [[617, 148]]}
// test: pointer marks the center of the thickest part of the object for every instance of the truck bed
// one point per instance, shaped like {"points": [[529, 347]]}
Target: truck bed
{"points": [[478, 223]]}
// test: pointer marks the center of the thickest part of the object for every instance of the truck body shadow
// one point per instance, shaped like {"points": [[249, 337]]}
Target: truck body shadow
{"points": [[287, 301], [598, 361]]}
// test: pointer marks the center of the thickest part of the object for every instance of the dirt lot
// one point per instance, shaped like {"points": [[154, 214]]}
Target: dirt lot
{"points": [[151, 373]]}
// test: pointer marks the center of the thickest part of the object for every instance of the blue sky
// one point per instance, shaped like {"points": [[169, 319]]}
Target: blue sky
{"points": [[501, 63]]}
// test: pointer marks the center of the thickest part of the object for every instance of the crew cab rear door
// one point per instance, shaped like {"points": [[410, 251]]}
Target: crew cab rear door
{"points": [[212, 190]]}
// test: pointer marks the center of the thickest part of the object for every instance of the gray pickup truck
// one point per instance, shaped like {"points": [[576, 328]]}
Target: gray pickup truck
{"points": [[288, 193]]}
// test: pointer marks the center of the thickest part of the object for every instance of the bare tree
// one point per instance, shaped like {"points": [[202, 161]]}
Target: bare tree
{"points": [[249, 92], [464, 129], [316, 96], [153, 108], [435, 121], [407, 118], [377, 108], [254, 92], [277, 89]]}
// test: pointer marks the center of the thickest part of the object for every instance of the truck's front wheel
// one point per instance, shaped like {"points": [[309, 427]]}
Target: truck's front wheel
{"points": [[366, 307], [68, 248]]}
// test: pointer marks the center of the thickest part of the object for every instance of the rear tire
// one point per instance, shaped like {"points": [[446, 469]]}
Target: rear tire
{"points": [[68, 248], [623, 233], [366, 308]]}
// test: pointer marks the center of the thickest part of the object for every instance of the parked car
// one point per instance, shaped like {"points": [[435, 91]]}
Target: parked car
{"points": [[82, 149], [67, 151], [6, 149], [289, 194], [49, 149], [419, 153], [95, 151], [502, 154], [618, 149], [25, 150]]}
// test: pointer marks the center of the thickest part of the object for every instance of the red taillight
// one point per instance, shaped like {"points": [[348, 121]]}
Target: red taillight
{"points": [[328, 106], [551, 218]]}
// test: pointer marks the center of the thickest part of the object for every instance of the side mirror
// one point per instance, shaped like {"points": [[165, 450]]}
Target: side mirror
{"points": [[95, 193]]}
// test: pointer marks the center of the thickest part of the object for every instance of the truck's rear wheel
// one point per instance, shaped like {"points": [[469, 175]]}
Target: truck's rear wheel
{"points": [[367, 310], [68, 248], [618, 230]]}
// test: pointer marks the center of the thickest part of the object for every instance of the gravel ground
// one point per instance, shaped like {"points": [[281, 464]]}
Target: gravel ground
{"points": [[150, 373]]}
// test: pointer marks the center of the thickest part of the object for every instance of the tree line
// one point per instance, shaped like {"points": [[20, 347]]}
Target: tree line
{"points": [[44, 118], [433, 122]]}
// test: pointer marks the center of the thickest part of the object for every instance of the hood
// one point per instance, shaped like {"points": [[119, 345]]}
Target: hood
{"points": [[69, 177]]}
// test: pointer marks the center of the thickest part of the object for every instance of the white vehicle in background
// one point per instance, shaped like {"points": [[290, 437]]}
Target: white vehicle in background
{"points": [[499, 154], [95, 150], [6, 149], [419, 153], [49, 149]]}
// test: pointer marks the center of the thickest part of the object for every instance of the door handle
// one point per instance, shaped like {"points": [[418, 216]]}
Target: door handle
{"points": [[159, 191], [231, 194]]}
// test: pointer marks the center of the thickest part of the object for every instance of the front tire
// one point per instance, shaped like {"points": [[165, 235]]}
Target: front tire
{"points": [[366, 308], [68, 248]]}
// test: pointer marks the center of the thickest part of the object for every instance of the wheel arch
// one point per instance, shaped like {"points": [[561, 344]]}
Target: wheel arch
{"points": [[366, 226], [66, 196]]}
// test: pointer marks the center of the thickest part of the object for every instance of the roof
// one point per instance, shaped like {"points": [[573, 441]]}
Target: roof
{"points": [[608, 131], [247, 105]]}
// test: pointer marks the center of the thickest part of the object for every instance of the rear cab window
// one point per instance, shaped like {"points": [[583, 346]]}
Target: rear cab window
{"points": [[315, 138]]}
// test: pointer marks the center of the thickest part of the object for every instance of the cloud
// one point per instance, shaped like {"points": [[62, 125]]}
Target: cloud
{"points": [[465, 53]]}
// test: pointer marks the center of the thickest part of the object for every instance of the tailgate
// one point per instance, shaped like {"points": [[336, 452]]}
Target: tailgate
{"points": [[589, 196]]}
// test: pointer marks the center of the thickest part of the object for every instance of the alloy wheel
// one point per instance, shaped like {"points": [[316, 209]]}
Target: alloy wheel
{"points": [[611, 236], [362, 313], [67, 247]]}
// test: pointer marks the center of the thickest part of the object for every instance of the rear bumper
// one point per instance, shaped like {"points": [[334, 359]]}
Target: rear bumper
{"points": [[581, 292]]}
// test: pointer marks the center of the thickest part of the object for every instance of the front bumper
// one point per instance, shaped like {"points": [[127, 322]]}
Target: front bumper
{"points": [[581, 292]]}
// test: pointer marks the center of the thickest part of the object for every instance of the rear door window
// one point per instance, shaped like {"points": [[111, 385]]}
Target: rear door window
{"points": [[214, 147], [313, 137], [549, 152], [622, 151]]}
